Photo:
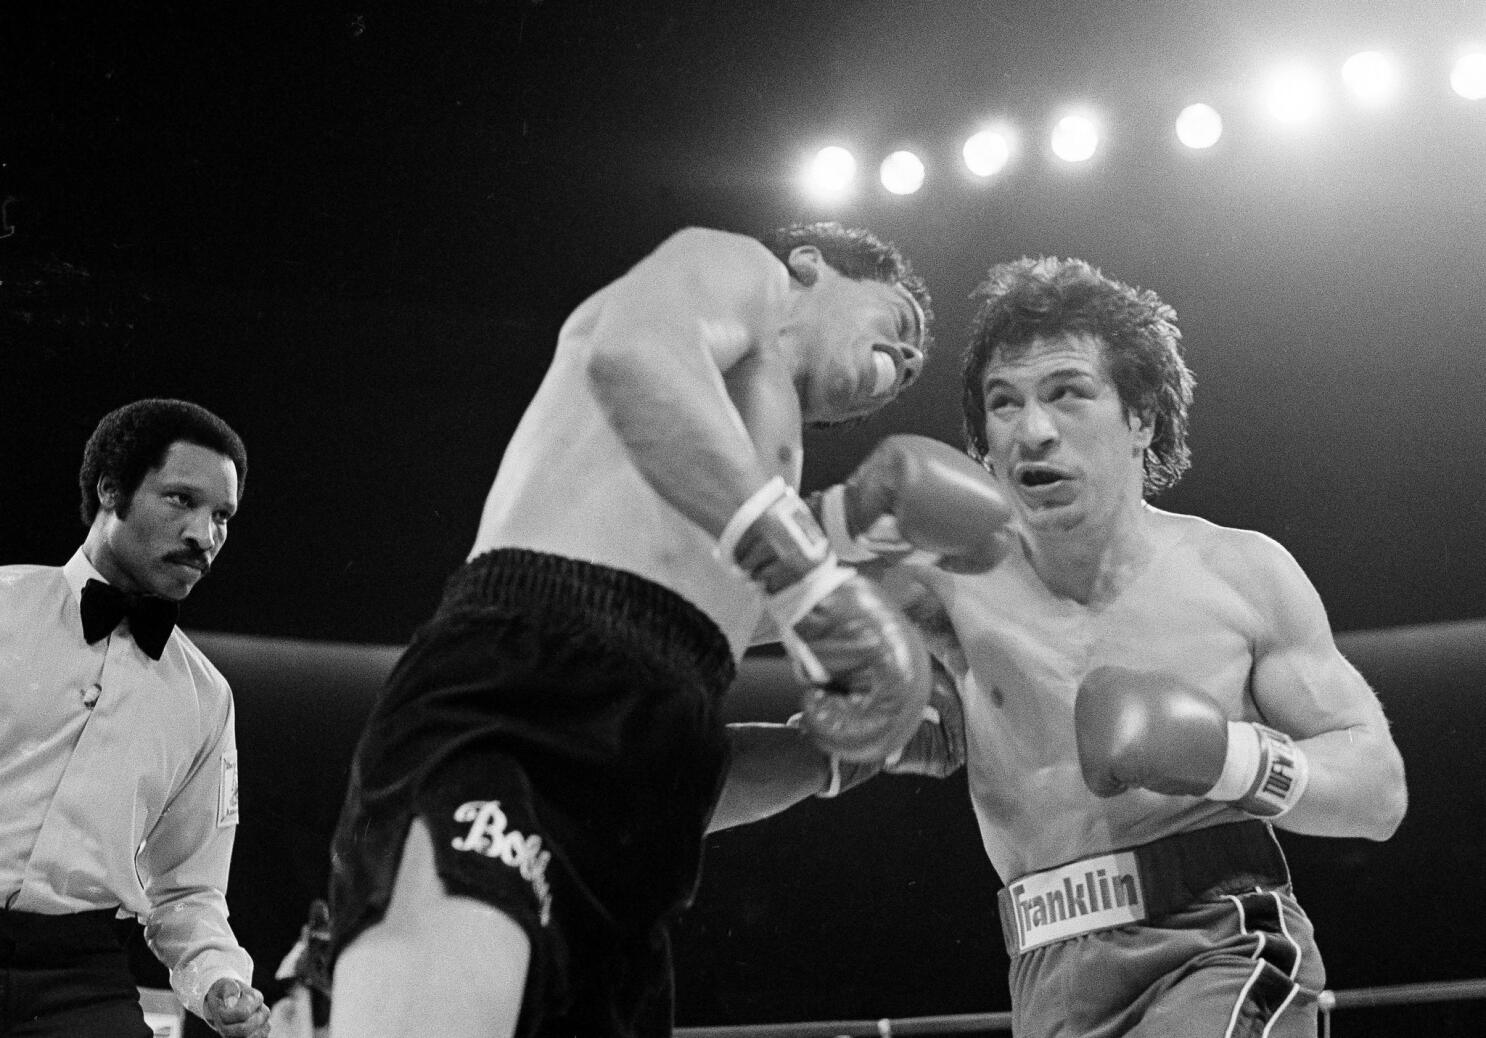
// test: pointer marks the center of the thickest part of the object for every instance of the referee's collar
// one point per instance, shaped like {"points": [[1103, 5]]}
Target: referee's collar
{"points": [[78, 571]]}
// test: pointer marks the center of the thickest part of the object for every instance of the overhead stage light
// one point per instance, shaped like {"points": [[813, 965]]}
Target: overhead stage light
{"points": [[1199, 126], [1294, 95], [1372, 77], [987, 152], [1075, 138], [902, 173], [831, 173], [1468, 78]]}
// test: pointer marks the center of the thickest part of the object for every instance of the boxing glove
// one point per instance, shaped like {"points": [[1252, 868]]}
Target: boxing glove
{"points": [[937, 748], [1146, 731], [867, 670], [915, 494]]}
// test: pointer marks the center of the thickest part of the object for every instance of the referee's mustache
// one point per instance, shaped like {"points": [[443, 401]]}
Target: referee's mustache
{"points": [[195, 559]]}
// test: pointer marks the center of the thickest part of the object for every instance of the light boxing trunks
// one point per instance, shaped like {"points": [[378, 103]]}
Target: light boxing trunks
{"points": [[1194, 935]]}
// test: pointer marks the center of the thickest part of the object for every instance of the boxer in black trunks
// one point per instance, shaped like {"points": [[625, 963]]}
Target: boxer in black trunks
{"points": [[528, 802]]}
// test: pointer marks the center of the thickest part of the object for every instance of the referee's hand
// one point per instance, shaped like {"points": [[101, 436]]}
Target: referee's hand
{"points": [[236, 1010]]}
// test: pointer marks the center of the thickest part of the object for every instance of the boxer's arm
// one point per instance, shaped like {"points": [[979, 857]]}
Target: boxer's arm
{"points": [[667, 336], [1302, 685], [773, 767], [915, 588]]}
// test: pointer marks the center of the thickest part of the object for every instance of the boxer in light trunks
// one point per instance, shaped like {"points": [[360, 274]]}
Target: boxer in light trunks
{"points": [[527, 804], [1145, 694]]}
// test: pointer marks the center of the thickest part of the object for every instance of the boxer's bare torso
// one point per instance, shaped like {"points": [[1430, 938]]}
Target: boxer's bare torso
{"points": [[1021, 653], [673, 389], [568, 484]]}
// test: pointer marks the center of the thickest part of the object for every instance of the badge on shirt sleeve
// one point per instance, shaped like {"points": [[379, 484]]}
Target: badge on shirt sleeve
{"points": [[227, 792]]}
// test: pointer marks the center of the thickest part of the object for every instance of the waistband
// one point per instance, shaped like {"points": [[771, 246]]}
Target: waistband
{"points": [[650, 621], [38, 928], [1139, 883]]}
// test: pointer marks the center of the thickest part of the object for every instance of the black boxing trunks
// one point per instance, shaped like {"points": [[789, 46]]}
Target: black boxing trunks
{"points": [[556, 726]]}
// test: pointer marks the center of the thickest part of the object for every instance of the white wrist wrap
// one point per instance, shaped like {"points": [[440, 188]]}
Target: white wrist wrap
{"points": [[789, 606], [1241, 765], [833, 521], [833, 787], [757, 504], [833, 767], [1265, 772]]}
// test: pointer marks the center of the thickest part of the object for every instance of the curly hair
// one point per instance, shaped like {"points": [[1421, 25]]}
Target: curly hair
{"points": [[133, 439], [857, 253], [1030, 298]]}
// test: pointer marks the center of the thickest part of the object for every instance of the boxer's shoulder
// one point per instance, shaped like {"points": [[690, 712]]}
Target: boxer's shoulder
{"points": [[717, 259], [1226, 550]]}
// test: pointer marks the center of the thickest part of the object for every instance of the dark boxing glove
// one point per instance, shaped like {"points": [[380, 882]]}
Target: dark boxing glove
{"points": [[867, 668], [1143, 730], [937, 748], [915, 497]]}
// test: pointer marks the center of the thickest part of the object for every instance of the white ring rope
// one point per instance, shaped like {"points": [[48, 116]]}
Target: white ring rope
{"points": [[991, 1023]]}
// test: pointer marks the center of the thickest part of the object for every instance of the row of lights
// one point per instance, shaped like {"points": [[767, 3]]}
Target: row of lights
{"points": [[1293, 96]]}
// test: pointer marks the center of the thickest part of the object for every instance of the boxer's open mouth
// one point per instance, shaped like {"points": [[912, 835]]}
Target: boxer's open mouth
{"points": [[1038, 477]]}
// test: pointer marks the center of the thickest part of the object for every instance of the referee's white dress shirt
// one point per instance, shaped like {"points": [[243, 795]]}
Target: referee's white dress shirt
{"points": [[118, 777]]}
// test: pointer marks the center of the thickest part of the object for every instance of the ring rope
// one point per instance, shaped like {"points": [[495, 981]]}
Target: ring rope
{"points": [[983, 1023]]}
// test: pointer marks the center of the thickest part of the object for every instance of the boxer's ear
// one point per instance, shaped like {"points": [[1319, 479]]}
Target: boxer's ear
{"points": [[804, 263], [1142, 430]]}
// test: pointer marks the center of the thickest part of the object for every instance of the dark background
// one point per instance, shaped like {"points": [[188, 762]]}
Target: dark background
{"points": [[354, 233]]}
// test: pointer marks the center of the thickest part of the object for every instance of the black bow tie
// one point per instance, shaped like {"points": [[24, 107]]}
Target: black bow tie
{"points": [[151, 618]]}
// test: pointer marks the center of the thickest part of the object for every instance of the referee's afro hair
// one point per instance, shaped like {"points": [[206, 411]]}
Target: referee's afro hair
{"points": [[133, 439]]}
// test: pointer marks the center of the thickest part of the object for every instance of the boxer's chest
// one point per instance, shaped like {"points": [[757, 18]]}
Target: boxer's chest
{"points": [[1028, 651]]}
